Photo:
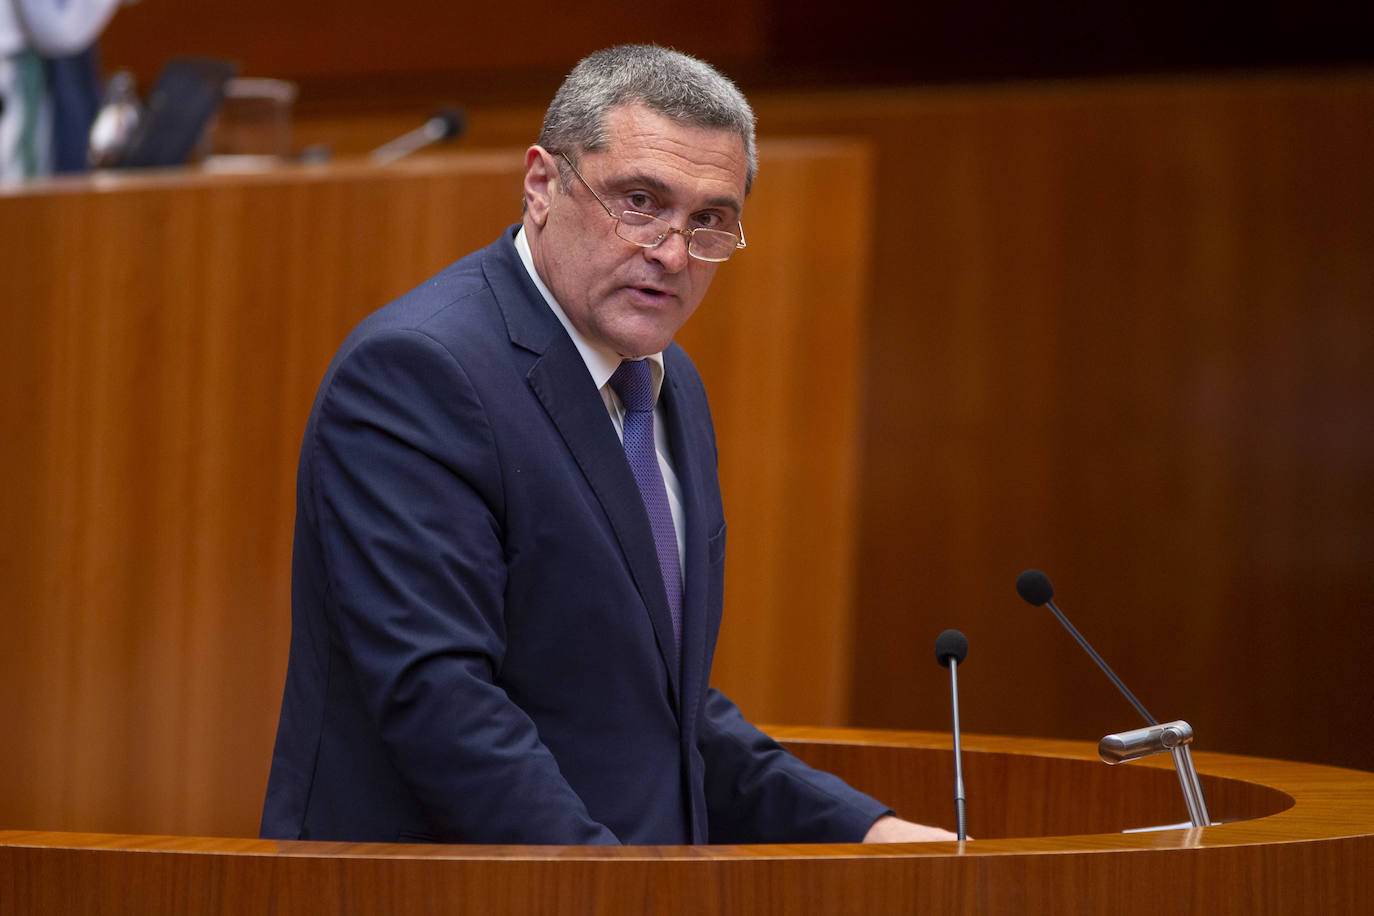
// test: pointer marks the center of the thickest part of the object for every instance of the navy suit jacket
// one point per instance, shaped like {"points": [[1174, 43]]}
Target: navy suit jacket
{"points": [[481, 648]]}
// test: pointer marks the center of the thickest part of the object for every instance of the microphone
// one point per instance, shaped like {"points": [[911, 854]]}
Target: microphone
{"points": [[951, 647], [1034, 588], [445, 124]]}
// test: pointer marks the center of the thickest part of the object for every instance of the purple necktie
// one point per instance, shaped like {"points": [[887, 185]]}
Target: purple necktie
{"points": [[635, 388]]}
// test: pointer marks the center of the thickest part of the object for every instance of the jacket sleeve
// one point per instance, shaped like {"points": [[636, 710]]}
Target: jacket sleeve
{"points": [[406, 495], [756, 792]]}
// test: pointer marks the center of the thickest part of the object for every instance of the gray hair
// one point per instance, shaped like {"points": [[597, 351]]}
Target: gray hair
{"points": [[668, 82]]}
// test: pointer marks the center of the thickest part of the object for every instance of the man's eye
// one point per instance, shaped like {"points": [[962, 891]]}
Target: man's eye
{"points": [[638, 201], [709, 220]]}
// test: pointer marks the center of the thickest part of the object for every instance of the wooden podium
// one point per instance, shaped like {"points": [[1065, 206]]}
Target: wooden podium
{"points": [[1047, 817]]}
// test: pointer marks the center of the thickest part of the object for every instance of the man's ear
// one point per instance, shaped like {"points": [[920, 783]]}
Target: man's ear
{"points": [[541, 174]]}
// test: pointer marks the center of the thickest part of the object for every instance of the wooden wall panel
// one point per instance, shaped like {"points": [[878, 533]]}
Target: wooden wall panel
{"points": [[165, 335], [779, 342], [1122, 332], [165, 342]]}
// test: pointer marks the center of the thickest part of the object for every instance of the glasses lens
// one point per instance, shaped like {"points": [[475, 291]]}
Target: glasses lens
{"points": [[641, 228], [713, 245], [649, 231]]}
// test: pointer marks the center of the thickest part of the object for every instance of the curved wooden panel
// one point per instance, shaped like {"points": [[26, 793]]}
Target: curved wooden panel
{"points": [[1315, 855]]}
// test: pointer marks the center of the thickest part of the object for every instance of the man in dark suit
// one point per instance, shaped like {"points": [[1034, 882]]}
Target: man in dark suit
{"points": [[510, 543]]}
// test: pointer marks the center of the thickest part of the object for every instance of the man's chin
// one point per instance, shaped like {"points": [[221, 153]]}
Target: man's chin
{"points": [[644, 336], [640, 347]]}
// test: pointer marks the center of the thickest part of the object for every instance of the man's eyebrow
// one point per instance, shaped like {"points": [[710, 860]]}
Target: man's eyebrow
{"points": [[640, 179], [727, 203]]}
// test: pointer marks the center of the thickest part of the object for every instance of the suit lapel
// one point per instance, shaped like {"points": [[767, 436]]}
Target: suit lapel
{"points": [[688, 448], [559, 379], [693, 450]]}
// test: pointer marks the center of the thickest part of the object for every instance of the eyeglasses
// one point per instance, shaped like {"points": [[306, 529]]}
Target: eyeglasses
{"points": [[649, 231]]}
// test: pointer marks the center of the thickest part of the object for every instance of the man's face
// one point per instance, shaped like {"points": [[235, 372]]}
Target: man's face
{"points": [[619, 295]]}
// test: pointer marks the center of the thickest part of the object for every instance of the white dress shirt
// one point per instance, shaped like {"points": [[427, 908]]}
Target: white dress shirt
{"points": [[602, 362]]}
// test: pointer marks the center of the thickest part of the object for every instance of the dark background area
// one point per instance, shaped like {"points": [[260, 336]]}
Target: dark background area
{"points": [[877, 42], [354, 56]]}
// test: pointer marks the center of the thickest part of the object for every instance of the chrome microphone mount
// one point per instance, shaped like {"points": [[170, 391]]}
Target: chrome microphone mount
{"points": [[1174, 737]]}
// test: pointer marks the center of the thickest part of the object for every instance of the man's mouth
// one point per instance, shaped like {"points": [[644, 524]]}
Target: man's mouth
{"points": [[652, 292]]}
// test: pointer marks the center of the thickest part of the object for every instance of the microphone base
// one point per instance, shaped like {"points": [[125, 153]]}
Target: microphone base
{"points": [[1192, 786], [1175, 737]]}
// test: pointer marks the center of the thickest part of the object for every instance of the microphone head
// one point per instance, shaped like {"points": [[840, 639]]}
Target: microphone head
{"points": [[951, 644], [450, 122], [1034, 587]]}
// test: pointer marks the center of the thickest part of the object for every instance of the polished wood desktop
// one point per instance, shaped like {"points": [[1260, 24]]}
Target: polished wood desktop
{"points": [[1047, 818]]}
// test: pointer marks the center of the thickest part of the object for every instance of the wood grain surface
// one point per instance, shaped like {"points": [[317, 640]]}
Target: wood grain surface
{"points": [[1121, 332], [1308, 847]]}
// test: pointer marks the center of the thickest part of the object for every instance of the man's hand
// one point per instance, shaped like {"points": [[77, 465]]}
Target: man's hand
{"points": [[891, 829]]}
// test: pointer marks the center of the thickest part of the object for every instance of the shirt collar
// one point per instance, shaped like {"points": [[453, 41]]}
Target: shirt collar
{"points": [[601, 361]]}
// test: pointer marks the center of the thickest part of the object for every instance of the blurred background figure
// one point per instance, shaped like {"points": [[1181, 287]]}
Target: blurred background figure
{"points": [[49, 83]]}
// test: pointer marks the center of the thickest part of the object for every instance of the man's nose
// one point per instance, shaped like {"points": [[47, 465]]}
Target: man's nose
{"points": [[672, 251]]}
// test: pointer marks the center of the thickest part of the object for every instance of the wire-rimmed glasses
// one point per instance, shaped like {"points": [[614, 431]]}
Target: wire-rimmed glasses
{"points": [[648, 231]]}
